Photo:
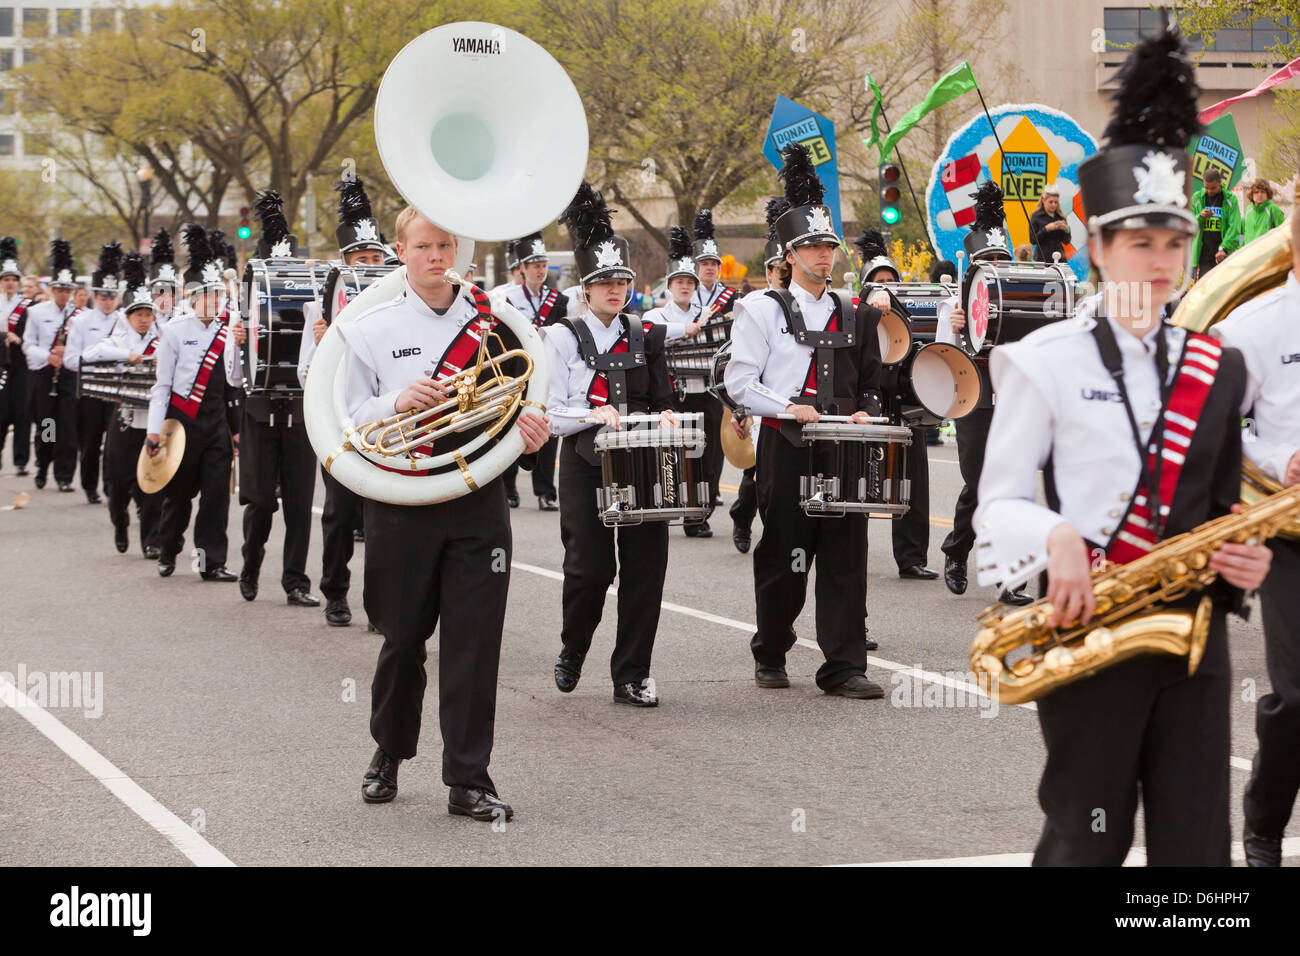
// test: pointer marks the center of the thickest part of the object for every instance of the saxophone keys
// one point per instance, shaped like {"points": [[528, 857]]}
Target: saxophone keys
{"points": [[1100, 642], [1058, 659]]}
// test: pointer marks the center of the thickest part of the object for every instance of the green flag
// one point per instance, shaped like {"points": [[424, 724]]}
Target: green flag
{"points": [[875, 111], [956, 82]]}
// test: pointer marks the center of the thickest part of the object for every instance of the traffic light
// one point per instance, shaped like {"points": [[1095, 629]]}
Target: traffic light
{"points": [[890, 210], [244, 229]]}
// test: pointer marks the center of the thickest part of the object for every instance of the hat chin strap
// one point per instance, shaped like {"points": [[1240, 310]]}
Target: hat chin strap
{"points": [[808, 272]]}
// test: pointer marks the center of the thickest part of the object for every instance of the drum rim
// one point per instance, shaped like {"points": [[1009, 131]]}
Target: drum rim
{"points": [[873, 433]]}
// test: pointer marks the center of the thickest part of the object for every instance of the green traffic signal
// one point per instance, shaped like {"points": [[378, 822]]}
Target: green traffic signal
{"points": [[890, 215], [244, 232]]}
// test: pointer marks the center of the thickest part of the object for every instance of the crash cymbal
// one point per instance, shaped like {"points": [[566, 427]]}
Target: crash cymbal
{"points": [[739, 451], [153, 473]]}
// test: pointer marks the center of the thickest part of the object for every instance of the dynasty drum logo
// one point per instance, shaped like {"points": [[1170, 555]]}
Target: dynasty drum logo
{"points": [[668, 466]]}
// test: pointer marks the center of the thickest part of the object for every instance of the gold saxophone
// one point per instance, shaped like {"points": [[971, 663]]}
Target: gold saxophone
{"points": [[1020, 653]]}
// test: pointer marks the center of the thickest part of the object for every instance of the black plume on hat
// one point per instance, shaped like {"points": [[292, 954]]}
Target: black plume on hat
{"points": [[270, 212], [354, 204], [1155, 104], [776, 206], [588, 218], [133, 271], [110, 258], [989, 213], [802, 185], [61, 256], [702, 227], [679, 243], [8, 248], [162, 250], [871, 244]]}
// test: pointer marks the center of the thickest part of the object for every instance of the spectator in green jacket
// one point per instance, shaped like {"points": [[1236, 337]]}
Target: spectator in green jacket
{"points": [[1263, 214], [1220, 223]]}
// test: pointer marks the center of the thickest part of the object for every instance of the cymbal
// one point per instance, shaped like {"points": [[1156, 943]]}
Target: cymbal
{"points": [[153, 473], [739, 451]]}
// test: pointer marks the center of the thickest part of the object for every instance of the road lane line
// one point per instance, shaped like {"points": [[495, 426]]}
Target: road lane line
{"points": [[182, 836]]}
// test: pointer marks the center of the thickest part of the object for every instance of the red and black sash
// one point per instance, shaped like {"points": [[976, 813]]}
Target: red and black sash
{"points": [[16, 315], [552, 297], [151, 347], [810, 380], [190, 406], [710, 312], [1137, 533], [461, 352]]}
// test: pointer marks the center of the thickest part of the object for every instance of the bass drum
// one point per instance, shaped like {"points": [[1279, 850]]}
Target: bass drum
{"points": [[1005, 301], [276, 291], [344, 283], [937, 382]]}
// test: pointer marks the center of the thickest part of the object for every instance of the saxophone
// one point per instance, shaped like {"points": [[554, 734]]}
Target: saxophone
{"points": [[1020, 653]]}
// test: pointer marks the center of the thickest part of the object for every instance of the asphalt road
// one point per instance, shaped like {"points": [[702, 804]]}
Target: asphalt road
{"points": [[249, 722]]}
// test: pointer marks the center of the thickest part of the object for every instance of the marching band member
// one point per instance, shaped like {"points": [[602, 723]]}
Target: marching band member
{"points": [[985, 241], [589, 385], [911, 532], [15, 384], [431, 566], [275, 455], [133, 339], [745, 506], [200, 384], [1265, 332], [85, 331], [817, 358], [360, 244], [678, 315], [514, 270], [543, 306], [54, 394], [713, 302], [162, 277], [1090, 400]]}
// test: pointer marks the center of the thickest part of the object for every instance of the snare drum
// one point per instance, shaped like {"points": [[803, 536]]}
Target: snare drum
{"points": [[1005, 301], [855, 469], [937, 382], [650, 473], [344, 283]]}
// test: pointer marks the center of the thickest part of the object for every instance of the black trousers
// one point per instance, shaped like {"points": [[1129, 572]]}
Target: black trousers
{"points": [[972, 436], [121, 452], [745, 506], [1142, 724], [712, 410], [1275, 775], [342, 512], [593, 554], [443, 567], [272, 458], [911, 533], [544, 470], [790, 544], [56, 423], [93, 416], [15, 411], [204, 471]]}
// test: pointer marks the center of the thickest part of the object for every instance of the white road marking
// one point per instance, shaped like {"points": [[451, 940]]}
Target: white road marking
{"points": [[199, 851], [1136, 857]]}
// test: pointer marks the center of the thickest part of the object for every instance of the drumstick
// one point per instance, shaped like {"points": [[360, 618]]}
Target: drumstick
{"points": [[877, 420], [645, 419]]}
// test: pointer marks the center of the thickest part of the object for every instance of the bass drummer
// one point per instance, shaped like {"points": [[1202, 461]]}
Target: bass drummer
{"points": [[360, 244], [986, 242], [774, 372]]}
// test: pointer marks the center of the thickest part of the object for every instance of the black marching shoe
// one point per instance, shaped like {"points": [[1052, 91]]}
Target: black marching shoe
{"points": [[639, 694], [359, 534], [700, 530], [740, 537], [151, 552], [247, 588], [166, 566], [954, 575], [371, 628], [120, 540], [1264, 851], [568, 669], [770, 676], [546, 504], [220, 573], [65, 486], [917, 572], [858, 688], [93, 498], [22, 470], [337, 613], [299, 597], [40, 479], [478, 804], [512, 499], [1016, 598], [379, 785]]}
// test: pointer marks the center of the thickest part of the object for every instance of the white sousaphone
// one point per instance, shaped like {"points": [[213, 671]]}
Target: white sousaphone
{"points": [[454, 144]]}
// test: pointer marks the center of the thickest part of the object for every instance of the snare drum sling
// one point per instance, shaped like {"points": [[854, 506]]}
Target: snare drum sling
{"points": [[631, 376]]}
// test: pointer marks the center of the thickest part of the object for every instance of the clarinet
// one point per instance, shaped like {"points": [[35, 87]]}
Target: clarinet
{"points": [[61, 338]]}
